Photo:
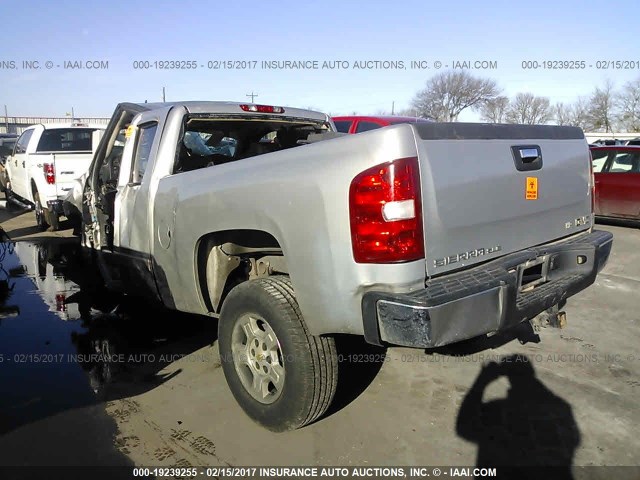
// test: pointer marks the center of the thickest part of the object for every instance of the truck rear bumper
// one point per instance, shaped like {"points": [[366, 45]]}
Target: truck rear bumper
{"points": [[55, 206], [488, 298]]}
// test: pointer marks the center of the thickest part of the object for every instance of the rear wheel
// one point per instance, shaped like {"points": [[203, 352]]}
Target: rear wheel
{"points": [[282, 377], [41, 220], [45, 218]]}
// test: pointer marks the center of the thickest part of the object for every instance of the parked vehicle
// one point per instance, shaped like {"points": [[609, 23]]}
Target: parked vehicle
{"points": [[7, 142], [617, 179], [43, 165], [420, 235], [359, 124], [42, 264]]}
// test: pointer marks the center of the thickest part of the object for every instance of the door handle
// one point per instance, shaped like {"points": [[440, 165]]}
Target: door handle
{"points": [[23, 164], [529, 155]]}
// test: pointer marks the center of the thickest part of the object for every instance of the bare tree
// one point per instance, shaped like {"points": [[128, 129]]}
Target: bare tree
{"points": [[494, 110], [629, 103], [579, 115], [408, 112], [447, 94], [562, 114], [528, 109], [600, 111]]}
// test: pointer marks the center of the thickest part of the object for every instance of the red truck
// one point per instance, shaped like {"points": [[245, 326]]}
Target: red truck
{"points": [[359, 124]]}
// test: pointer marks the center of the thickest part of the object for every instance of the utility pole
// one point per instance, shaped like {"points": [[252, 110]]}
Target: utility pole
{"points": [[6, 118], [393, 104], [163, 97], [73, 115], [252, 95]]}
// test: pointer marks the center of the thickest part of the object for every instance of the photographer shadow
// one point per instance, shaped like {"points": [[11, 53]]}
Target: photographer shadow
{"points": [[530, 427]]}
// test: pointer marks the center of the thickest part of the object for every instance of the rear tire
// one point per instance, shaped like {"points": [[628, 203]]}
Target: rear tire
{"points": [[41, 217], [282, 377]]}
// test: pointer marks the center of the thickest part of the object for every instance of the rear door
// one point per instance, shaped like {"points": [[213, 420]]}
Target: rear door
{"points": [[619, 185], [132, 217]]}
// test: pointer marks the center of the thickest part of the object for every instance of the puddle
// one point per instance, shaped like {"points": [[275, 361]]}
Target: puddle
{"points": [[66, 342]]}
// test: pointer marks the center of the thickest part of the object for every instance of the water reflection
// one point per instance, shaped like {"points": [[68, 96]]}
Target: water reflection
{"points": [[65, 341], [6, 285]]}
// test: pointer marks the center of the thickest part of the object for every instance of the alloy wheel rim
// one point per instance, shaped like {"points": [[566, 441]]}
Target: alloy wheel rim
{"points": [[258, 359]]}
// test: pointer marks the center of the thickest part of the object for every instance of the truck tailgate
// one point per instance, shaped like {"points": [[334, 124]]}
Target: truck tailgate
{"points": [[69, 167], [486, 192]]}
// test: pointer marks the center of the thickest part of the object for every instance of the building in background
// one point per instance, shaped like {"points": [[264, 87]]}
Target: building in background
{"points": [[18, 124]]}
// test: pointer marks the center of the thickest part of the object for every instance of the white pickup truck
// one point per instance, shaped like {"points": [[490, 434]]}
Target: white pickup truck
{"points": [[44, 164]]}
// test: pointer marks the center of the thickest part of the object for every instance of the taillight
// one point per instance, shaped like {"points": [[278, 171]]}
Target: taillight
{"points": [[49, 173], [386, 213], [61, 305], [262, 108], [593, 184]]}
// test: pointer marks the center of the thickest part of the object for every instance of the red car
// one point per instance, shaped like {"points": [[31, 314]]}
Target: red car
{"points": [[359, 124], [617, 175]]}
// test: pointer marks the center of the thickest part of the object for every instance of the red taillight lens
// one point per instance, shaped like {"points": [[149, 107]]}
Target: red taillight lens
{"points": [[49, 173], [593, 183], [262, 108], [386, 213], [61, 306]]}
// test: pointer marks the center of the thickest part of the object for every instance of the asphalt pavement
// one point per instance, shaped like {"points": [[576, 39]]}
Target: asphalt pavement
{"points": [[565, 397]]}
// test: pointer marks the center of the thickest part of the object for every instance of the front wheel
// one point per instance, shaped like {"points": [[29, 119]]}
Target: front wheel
{"points": [[8, 195], [282, 377]]}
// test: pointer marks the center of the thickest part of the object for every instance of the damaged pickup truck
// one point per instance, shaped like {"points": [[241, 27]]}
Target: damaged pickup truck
{"points": [[418, 235]]}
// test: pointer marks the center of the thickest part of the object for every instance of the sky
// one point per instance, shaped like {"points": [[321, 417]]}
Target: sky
{"points": [[209, 33]]}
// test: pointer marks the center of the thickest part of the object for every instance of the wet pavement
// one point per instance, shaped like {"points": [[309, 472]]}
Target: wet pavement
{"points": [[68, 347], [91, 378]]}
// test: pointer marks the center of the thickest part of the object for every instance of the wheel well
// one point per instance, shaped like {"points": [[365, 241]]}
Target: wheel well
{"points": [[236, 254], [34, 187]]}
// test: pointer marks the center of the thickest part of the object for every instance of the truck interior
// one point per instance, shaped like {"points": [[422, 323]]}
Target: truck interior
{"points": [[208, 142]]}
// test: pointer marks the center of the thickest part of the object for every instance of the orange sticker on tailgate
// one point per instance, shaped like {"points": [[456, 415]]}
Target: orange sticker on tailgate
{"points": [[531, 188]]}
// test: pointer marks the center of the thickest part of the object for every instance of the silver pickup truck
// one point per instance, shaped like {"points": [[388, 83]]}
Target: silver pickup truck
{"points": [[418, 235]]}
